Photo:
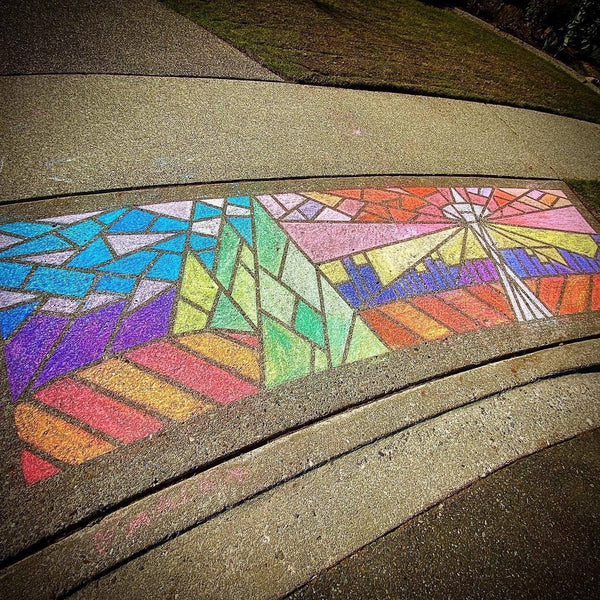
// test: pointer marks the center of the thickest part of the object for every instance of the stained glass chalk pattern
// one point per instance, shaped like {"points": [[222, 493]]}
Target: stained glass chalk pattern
{"points": [[116, 323]]}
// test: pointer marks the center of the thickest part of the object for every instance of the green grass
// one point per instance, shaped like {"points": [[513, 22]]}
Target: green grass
{"points": [[402, 45], [589, 191]]}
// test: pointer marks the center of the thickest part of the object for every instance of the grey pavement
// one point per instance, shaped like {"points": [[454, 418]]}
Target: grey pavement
{"points": [[72, 134], [141, 37]]}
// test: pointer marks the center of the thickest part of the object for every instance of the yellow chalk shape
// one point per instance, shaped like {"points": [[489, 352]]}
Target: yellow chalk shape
{"points": [[335, 271], [62, 440], [323, 198], [360, 259], [144, 389], [473, 249], [225, 352], [451, 251]]}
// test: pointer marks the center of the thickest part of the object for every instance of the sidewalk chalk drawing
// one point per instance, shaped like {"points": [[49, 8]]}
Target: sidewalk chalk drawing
{"points": [[116, 323]]}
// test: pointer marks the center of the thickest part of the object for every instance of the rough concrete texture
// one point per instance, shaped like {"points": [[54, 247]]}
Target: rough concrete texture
{"points": [[76, 559], [140, 37], [270, 545], [89, 133], [528, 531]]}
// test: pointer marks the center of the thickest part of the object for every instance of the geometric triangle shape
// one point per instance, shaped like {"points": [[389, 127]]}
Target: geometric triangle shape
{"points": [[133, 264], [228, 251], [328, 241], [95, 254], [11, 319], [145, 290], [208, 258], [197, 284], [56, 258], [81, 233], [391, 261], [8, 298], [202, 242], [108, 218], [310, 324], [175, 244], [203, 211], [364, 343], [35, 468], [188, 318], [179, 210], [244, 293], [301, 276], [65, 219], [7, 240], [287, 356], [243, 226], [96, 300], [338, 318], [563, 219], [208, 226], [227, 316], [46, 243], [270, 241], [124, 244], [169, 224]]}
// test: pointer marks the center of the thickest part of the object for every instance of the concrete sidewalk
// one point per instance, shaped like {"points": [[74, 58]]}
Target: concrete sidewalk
{"points": [[265, 324]]}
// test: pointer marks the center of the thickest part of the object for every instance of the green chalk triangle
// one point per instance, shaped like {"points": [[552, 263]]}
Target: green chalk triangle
{"points": [[227, 316], [197, 284], [301, 276], [228, 249], [275, 299], [321, 363], [270, 240], [188, 318], [287, 355], [309, 323], [364, 343], [244, 293], [338, 318]]}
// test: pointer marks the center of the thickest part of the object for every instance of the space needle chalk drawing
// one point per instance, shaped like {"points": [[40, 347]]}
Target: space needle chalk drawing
{"points": [[118, 323]]}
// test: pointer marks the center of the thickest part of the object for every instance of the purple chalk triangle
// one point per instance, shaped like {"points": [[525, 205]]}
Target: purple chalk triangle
{"points": [[147, 289], [63, 305], [84, 342], [8, 240], [148, 323], [54, 258], [64, 219], [294, 216], [10, 298], [179, 210], [124, 244], [27, 350], [96, 300]]}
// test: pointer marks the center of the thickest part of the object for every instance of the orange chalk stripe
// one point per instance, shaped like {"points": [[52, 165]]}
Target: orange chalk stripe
{"points": [[56, 437], [415, 320]]}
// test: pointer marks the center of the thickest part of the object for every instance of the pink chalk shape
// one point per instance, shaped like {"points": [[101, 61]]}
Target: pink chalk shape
{"points": [[327, 241], [179, 210], [515, 191], [295, 216], [527, 208], [35, 468], [328, 214], [438, 199], [95, 300], [11, 298], [535, 194], [477, 199], [506, 212], [146, 290], [492, 205], [8, 240], [126, 243], [61, 305], [290, 200], [350, 206], [66, 219], [54, 258], [561, 219], [431, 210], [273, 207], [558, 193], [473, 190]]}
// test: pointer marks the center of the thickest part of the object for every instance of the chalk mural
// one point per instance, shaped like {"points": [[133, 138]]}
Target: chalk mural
{"points": [[118, 322]]}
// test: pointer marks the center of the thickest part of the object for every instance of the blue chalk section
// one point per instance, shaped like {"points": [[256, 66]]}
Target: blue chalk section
{"points": [[204, 211], [112, 216], [202, 242], [370, 278], [176, 244], [208, 258], [27, 229], [429, 282], [133, 264], [13, 275], [81, 233], [400, 290], [120, 285], [167, 266], [240, 201], [168, 224], [244, 227], [60, 282], [349, 293], [573, 265], [47, 243], [95, 254], [12, 318], [551, 269], [513, 263], [385, 296], [356, 279], [133, 222], [538, 265], [417, 283], [561, 269], [525, 260], [584, 265], [445, 273], [437, 277]]}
